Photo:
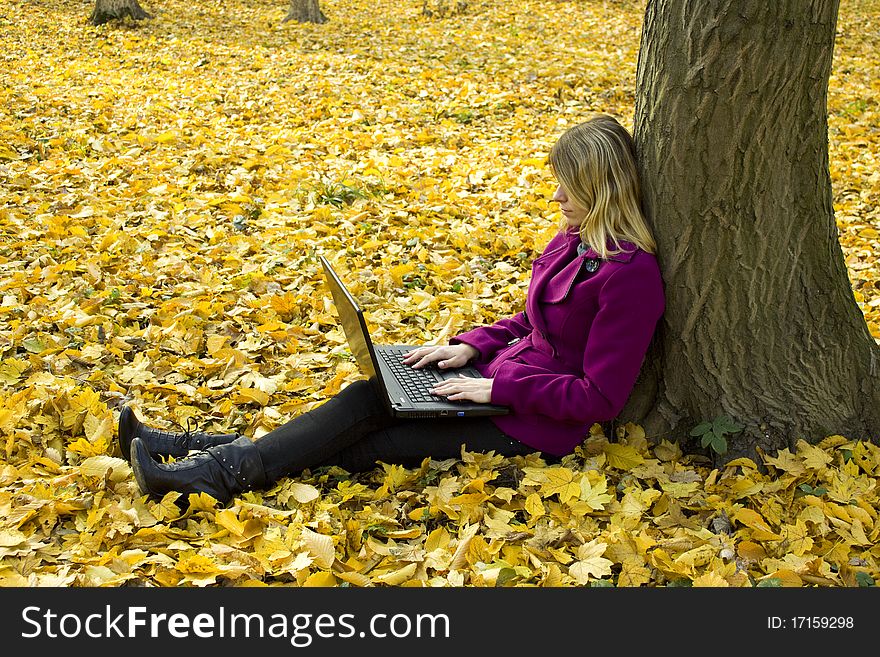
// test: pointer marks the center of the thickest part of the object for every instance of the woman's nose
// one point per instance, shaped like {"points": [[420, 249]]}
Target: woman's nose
{"points": [[559, 195]]}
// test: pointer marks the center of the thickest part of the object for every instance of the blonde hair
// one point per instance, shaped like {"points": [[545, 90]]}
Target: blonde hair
{"points": [[595, 163]]}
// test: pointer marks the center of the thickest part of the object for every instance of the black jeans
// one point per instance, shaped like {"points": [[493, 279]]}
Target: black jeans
{"points": [[353, 430]]}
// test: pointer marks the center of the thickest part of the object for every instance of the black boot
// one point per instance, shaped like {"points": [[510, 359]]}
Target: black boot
{"points": [[221, 471], [164, 443]]}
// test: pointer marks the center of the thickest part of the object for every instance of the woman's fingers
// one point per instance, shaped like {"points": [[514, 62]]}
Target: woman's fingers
{"points": [[412, 353], [444, 356], [465, 387], [421, 356]]}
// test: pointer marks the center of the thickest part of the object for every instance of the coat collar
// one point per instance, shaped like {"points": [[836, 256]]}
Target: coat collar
{"points": [[558, 268], [626, 253]]}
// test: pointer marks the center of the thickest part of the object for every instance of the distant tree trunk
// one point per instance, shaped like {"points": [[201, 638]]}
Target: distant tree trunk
{"points": [[761, 323], [107, 10], [305, 11], [443, 8]]}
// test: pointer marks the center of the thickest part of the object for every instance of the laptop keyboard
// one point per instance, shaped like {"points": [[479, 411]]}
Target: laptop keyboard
{"points": [[416, 383]]}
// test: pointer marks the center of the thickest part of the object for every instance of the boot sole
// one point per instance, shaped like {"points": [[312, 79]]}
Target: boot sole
{"points": [[139, 473], [127, 427]]}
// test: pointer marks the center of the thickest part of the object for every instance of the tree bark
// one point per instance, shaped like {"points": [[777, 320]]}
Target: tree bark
{"points": [[443, 8], [305, 11], [107, 10], [761, 323]]}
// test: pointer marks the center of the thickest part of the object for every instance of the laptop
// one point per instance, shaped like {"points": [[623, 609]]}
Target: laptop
{"points": [[404, 389]]}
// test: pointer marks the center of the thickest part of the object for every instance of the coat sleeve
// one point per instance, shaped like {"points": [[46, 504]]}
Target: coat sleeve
{"points": [[489, 339], [630, 304]]}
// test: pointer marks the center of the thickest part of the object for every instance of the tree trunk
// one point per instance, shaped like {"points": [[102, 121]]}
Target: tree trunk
{"points": [[443, 8], [761, 323], [107, 10], [305, 11]]}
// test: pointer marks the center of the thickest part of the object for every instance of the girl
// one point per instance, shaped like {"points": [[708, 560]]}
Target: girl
{"points": [[570, 359]]}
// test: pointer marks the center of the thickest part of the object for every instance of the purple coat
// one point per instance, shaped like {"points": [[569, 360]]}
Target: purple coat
{"points": [[573, 357]]}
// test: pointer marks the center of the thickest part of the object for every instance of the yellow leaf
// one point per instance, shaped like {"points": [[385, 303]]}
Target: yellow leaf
{"points": [[554, 481], [633, 572], [320, 579], [102, 465], [349, 490], [99, 429], [596, 496], [85, 447], [534, 506], [399, 271], [227, 518], [271, 326], [197, 564], [635, 502], [12, 369], [251, 396], [356, 579], [395, 475], [590, 564], [710, 579], [320, 547], [814, 458], [397, 577], [756, 522], [459, 558], [552, 577], [786, 461], [438, 538], [751, 551], [622, 457], [788, 578], [8, 419], [215, 343], [667, 451], [398, 534], [303, 493], [202, 502], [697, 556], [797, 538], [679, 489], [12, 538], [276, 149]]}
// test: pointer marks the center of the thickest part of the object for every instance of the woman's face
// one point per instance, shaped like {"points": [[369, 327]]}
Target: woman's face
{"points": [[574, 214]]}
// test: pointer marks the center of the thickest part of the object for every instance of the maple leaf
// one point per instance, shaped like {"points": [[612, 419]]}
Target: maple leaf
{"points": [[787, 462], [814, 458], [590, 563], [595, 495], [634, 572], [797, 537], [560, 482]]}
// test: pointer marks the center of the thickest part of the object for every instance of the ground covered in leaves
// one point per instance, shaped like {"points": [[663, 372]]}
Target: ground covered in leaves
{"points": [[168, 187]]}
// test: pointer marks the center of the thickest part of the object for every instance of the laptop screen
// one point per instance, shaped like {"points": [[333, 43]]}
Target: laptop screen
{"points": [[352, 321]]}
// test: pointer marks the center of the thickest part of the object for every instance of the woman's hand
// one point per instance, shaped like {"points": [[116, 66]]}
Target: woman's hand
{"points": [[446, 356], [465, 387]]}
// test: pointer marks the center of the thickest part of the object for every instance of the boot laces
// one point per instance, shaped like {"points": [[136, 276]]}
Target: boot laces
{"points": [[182, 440]]}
